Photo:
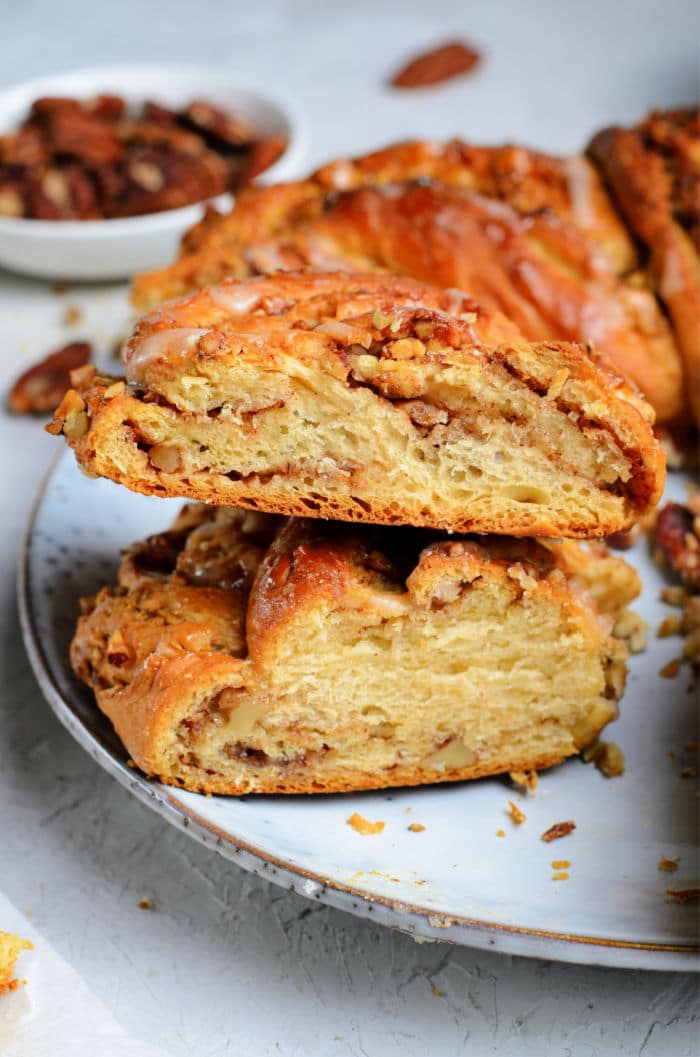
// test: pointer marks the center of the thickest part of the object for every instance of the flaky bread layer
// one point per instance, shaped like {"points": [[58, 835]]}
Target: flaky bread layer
{"points": [[357, 659], [400, 416]]}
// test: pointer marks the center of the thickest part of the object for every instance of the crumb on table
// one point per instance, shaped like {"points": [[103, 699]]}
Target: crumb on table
{"points": [[11, 947], [528, 779], [363, 825], [516, 814], [607, 757]]}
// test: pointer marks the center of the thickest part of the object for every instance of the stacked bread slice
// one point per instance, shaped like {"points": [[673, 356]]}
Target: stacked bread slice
{"points": [[363, 603]]}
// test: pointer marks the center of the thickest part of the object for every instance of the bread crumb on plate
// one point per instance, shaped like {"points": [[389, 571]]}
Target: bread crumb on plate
{"points": [[363, 825]]}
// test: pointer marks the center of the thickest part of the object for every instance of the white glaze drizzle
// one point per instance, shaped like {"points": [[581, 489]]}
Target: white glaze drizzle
{"points": [[163, 345]]}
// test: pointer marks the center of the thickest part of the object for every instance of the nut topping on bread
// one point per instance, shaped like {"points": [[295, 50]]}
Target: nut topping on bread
{"points": [[369, 398], [527, 234]]}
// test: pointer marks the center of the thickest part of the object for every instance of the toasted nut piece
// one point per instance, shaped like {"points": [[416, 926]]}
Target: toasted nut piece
{"points": [[71, 406], [674, 596], [117, 388], [439, 64], [679, 544], [406, 349], [263, 154], [691, 613], [147, 175], [232, 130], [82, 376], [558, 830], [691, 647], [683, 895], [11, 204], [557, 384], [380, 320], [165, 457], [670, 625]]}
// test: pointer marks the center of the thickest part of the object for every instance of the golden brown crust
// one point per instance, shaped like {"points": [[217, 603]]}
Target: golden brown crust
{"points": [[527, 180], [653, 171], [533, 236], [368, 398], [275, 708]]}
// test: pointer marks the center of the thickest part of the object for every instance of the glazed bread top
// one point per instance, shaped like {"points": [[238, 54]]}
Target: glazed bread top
{"points": [[287, 311], [534, 237], [368, 398]]}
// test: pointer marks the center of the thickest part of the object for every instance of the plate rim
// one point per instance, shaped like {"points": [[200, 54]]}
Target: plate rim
{"points": [[419, 922]]}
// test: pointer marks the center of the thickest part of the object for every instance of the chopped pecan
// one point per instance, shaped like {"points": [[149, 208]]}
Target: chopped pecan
{"points": [[219, 128], [262, 155], [157, 135], [158, 114], [82, 136], [558, 830], [108, 107], [683, 895], [438, 65], [183, 179], [84, 160], [70, 417], [61, 193], [11, 201], [40, 389], [676, 537], [26, 147], [47, 105]]}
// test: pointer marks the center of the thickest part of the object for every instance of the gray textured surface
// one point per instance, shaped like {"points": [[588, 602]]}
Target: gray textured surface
{"points": [[225, 963]]}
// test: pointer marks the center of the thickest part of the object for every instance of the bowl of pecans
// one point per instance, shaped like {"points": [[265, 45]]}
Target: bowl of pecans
{"points": [[102, 171]]}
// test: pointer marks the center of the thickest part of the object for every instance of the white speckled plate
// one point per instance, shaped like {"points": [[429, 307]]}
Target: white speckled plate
{"points": [[456, 880]]}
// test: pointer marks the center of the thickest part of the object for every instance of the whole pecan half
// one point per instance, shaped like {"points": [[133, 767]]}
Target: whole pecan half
{"points": [[433, 67], [40, 389]]}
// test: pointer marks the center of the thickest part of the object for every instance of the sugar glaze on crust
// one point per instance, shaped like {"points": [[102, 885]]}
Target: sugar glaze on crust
{"points": [[527, 234], [241, 652]]}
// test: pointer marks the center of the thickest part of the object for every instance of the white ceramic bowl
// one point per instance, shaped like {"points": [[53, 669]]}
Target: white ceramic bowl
{"points": [[114, 249]]}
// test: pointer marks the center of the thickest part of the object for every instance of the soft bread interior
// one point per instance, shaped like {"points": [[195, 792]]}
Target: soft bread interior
{"points": [[353, 675]]}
